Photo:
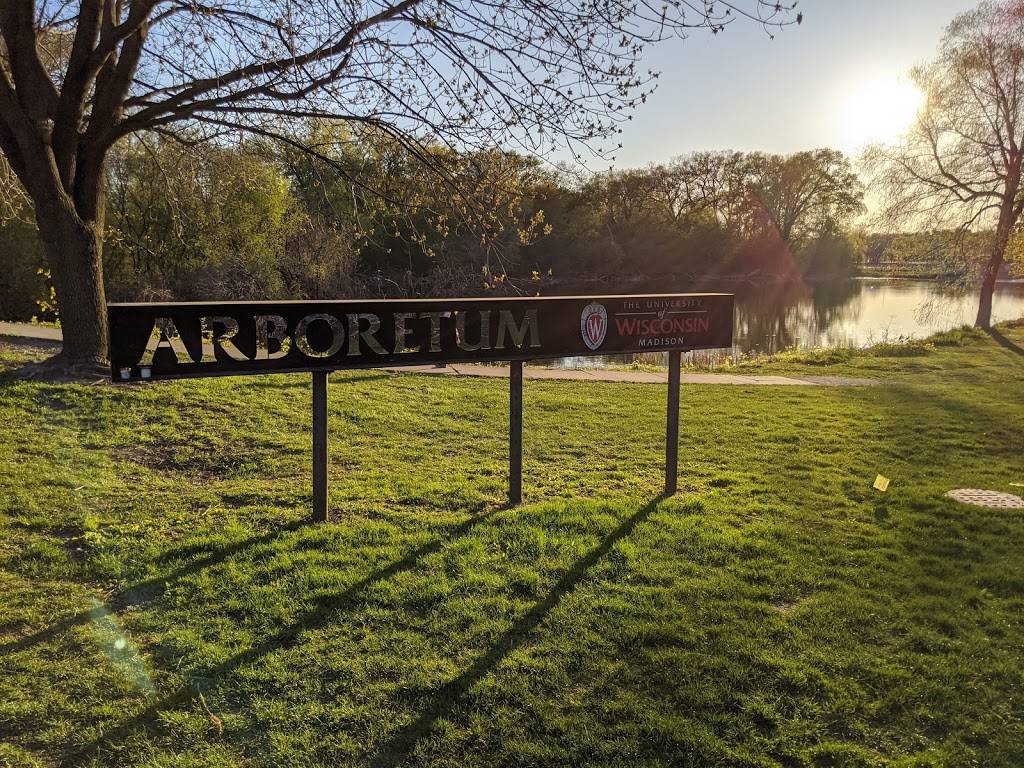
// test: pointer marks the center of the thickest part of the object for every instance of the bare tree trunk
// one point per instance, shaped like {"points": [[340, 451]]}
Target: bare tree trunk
{"points": [[74, 250], [988, 286], [995, 263]]}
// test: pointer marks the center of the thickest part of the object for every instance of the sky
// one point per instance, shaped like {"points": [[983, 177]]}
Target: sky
{"points": [[837, 80]]}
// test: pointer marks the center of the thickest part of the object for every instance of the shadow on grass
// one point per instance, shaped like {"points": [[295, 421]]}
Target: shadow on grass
{"points": [[401, 745], [289, 380], [949, 415], [1004, 342], [323, 609], [145, 591]]}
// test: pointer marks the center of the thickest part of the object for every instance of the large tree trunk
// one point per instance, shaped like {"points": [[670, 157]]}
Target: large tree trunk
{"points": [[995, 263], [74, 250], [988, 287]]}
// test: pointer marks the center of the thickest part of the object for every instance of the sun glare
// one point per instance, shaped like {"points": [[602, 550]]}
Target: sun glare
{"points": [[877, 111]]}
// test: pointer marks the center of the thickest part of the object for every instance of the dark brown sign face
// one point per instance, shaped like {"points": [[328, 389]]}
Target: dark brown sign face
{"points": [[166, 341]]}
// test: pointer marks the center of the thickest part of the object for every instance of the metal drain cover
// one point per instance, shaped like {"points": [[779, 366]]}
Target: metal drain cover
{"points": [[982, 498]]}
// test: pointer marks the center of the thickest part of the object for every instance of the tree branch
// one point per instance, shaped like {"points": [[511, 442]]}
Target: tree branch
{"points": [[35, 91]]}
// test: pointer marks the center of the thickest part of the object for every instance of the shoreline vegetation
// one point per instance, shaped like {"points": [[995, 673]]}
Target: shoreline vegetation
{"points": [[935, 274], [843, 360], [881, 356], [165, 599]]}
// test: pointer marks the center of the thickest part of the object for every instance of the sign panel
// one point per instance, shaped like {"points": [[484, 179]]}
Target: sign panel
{"points": [[177, 340]]}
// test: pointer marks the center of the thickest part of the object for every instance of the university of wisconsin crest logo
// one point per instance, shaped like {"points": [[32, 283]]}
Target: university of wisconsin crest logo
{"points": [[594, 325]]}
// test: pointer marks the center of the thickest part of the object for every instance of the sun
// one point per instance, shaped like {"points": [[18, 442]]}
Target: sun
{"points": [[874, 111]]}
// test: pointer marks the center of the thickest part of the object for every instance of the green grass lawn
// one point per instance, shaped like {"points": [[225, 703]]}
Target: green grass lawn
{"points": [[163, 601]]}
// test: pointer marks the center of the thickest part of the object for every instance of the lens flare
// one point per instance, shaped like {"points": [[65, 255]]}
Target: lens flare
{"points": [[875, 111], [117, 646]]}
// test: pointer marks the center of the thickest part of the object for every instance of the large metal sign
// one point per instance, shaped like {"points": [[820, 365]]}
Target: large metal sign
{"points": [[175, 340], [171, 341]]}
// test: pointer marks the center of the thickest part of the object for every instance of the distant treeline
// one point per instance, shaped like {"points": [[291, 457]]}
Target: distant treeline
{"points": [[369, 215]]}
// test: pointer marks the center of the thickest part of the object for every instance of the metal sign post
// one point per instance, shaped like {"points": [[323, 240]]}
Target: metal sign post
{"points": [[672, 425], [319, 446], [515, 433], [244, 338]]}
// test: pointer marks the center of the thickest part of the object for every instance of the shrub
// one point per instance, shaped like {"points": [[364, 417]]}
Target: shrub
{"points": [[817, 356], [899, 348], [957, 337]]}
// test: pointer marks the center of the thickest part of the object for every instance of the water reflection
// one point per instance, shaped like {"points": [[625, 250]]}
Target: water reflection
{"points": [[783, 315]]}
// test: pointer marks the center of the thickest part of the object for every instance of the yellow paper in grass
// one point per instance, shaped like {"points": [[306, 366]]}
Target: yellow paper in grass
{"points": [[881, 483]]}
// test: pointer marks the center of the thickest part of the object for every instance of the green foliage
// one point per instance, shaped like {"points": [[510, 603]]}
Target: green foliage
{"points": [[958, 337], [154, 549], [48, 302], [365, 214], [833, 253], [803, 196], [949, 255], [22, 286], [195, 222], [26, 290], [707, 214], [816, 356], [422, 223], [900, 348]]}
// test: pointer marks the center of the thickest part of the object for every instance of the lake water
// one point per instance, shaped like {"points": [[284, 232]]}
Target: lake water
{"points": [[849, 313]]}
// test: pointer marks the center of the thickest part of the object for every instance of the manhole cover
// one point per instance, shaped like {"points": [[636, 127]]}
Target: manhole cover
{"points": [[982, 498]]}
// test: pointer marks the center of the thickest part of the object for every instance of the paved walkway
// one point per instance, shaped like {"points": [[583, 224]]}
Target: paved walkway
{"points": [[28, 331], [640, 377], [42, 333]]}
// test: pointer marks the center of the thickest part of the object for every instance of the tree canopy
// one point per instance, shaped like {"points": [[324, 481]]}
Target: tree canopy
{"points": [[77, 77]]}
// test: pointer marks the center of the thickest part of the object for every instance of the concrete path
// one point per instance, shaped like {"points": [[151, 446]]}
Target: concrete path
{"points": [[50, 335], [28, 331], [639, 377]]}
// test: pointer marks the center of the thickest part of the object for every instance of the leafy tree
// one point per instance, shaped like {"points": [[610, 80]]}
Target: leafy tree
{"points": [[22, 281], [834, 252], [470, 75], [959, 168], [410, 234], [711, 213], [708, 183], [24, 288], [803, 194], [197, 221]]}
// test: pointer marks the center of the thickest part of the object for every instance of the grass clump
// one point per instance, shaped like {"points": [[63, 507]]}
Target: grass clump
{"points": [[816, 357], [901, 348], [958, 337]]}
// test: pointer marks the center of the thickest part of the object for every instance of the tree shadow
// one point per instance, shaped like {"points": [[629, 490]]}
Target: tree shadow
{"points": [[912, 409], [52, 369], [31, 343], [448, 696], [1004, 342], [353, 376], [319, 614], [145, 591]]}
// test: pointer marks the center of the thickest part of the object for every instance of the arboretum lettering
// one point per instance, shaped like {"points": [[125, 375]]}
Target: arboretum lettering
{"points": [[153, 341], [218, 332]]}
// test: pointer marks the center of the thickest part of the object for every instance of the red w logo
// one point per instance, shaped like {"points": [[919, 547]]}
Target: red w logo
{"points": [[593, 325]]}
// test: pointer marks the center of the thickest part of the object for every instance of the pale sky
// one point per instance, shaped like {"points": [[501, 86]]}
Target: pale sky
{"points": [[833, 81]]}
